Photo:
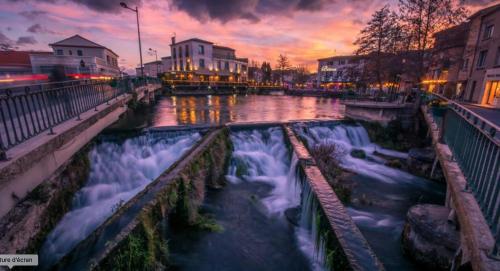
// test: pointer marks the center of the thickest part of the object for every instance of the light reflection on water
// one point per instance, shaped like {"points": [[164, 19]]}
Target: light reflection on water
{"points": [[222, 109]]}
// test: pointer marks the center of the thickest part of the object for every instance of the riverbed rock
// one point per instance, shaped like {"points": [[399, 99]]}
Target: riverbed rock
{"points": [[293, 215], [356, 153], [425, 155], [429, 238]]}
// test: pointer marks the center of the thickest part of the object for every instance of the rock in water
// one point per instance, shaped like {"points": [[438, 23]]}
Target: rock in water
{"points": [[293, 215], [429, 238]]}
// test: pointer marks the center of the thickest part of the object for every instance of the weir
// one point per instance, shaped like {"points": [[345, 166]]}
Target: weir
{"points": [[143, 217], [340, 244]]}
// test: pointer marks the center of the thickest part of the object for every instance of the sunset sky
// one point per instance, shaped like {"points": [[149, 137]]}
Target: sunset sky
{"points": [[258, 29]]}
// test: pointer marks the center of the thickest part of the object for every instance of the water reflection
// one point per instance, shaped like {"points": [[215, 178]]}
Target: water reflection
{"points": [[222, 109]]}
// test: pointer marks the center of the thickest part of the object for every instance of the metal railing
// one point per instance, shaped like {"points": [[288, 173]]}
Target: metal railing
{"points": [[34, 110], [475, 145]]}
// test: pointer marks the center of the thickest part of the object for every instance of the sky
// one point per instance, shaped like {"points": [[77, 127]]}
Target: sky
{"points": [[303, 30]]}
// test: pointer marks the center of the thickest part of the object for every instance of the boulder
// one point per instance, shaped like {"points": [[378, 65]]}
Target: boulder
{"points": [[425, 155], [429, 238], [356, 153]]}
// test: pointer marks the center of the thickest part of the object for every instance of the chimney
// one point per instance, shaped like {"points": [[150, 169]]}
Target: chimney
{"points": [[173, 40]]}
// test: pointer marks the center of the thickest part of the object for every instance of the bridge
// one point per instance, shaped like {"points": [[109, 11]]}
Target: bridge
{"points": [[467, 145], [42, 126]]}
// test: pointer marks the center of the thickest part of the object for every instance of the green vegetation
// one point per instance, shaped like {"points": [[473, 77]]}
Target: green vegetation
{"points": [[335, 258]]}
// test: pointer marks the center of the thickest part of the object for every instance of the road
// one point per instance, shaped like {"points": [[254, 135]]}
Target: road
{"points": [[491, 114]]}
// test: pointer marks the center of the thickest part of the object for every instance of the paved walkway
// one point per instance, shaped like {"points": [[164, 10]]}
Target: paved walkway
{"points": [[491, 114]]}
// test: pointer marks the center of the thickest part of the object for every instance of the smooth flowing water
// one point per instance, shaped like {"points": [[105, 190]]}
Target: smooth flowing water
{"points": [[171, 111], [389, 192], [257, 235], [118, 171]]}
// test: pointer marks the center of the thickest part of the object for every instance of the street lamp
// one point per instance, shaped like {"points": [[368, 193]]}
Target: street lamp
{"points": [[136, 10], [156, 57]]}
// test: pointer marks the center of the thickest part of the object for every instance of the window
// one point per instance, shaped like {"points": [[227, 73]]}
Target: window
{"points": [[219, 66], [59, 52], [181, 66], [107, 59], [226, 66], [202, 63], [488, 31], [174, 53], [481, 61], [201, 49], [70, 52], [79, 52], [187, 50], [180, 51]]}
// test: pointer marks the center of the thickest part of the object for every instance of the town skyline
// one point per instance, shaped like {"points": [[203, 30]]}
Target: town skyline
{"points": [[259, 30]]}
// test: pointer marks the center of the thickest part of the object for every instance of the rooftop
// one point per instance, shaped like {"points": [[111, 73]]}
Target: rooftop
{"points": [[194, 39], [18, 58], [79, 41]]}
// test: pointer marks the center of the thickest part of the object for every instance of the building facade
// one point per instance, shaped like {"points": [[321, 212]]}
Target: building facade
{"points": [[77, 57], [480, 73], [339, 71], [200, 60], [446, 61]]}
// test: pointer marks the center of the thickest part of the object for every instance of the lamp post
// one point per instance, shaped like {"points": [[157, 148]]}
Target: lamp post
{"points": [[156, 58], [136, 10]]}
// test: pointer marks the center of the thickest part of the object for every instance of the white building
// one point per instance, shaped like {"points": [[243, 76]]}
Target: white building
{"points": [[340, 70], [78, 58], [196, 59]]}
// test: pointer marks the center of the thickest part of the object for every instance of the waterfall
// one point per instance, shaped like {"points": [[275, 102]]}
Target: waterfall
{"points": [[117, 173], [348, 138], [262, 156]]}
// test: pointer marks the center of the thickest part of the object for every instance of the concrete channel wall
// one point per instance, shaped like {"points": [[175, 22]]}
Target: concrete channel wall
{"points": [[380, 112], [354, 252], [476, 240], [134, 237], [35, 160]]}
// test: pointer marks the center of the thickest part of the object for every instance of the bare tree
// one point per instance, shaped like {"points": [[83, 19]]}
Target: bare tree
{"points": [[423, 18], [378, 39], [282, 65]]}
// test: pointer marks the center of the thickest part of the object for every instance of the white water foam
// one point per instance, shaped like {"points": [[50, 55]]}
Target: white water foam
{"points": [[265, 157], [117, 173]]}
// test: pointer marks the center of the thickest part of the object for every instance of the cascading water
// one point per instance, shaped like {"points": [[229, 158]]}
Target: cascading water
{"points": [[389, 191], [262, 156], [117, 173]]}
